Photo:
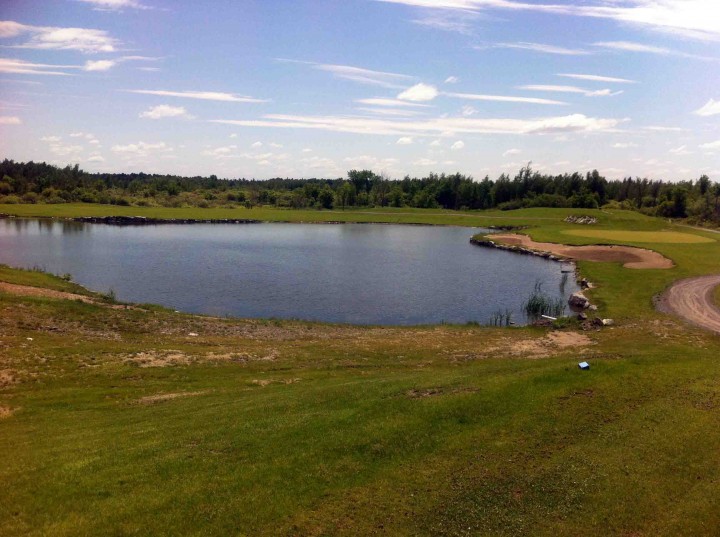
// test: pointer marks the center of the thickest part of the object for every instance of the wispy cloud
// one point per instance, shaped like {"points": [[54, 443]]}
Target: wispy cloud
{"points": [[84, 40], [598, 78], [378, 101], [503, 98], [570, 89], [11, 66], [164, 111], [711, 146], [690, 18], [141, 149], [629, 46], [10, 120], [115, 5], [432, 127], [405, 140], [202, 95], [461, 22], [711, 108], [357, 74], [539, 47]]}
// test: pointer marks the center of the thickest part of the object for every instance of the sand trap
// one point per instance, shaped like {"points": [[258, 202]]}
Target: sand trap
{"points": [[630, 257]]}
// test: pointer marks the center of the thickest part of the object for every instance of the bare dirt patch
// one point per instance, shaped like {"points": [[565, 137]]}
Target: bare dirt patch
{"points": [[546, 346], [26, 290], [629, 256], [692, 299], [159, 358], [7, 378], [162, 397], [6, 412]]}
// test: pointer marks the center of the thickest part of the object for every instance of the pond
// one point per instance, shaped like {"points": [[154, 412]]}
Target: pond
{"points": [[344, 273]]}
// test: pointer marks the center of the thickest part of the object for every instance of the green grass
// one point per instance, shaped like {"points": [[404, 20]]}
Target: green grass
{"points": [[672, 237], [309, 429]]}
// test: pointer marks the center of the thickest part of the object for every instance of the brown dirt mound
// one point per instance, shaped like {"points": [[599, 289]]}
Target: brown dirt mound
{"points": [[631, 257], [26, 290], [692, 300]]}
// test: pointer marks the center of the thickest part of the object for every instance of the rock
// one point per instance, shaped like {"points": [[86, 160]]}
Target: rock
{"points": [[607, 322], [578, 300], [582, 316], [584, 284], [597, 321], [592, 307]]}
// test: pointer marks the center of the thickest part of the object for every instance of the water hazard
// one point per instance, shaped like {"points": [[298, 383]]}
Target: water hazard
{"points": [[345, 273]]}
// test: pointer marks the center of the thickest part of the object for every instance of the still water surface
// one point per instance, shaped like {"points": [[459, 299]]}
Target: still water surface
{"points": [[347, 273]]}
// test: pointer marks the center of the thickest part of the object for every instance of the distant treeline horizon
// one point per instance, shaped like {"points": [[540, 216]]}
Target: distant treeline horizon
{"points": [[38, 182]]}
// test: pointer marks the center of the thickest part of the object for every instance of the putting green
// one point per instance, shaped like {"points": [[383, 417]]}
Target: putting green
{"points": [[668, 237]]}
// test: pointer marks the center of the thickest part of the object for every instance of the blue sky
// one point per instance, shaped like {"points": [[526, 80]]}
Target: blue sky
{"points": [[315, 88]]}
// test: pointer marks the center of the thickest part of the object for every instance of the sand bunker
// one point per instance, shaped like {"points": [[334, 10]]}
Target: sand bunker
{"points": [[630, 257]]}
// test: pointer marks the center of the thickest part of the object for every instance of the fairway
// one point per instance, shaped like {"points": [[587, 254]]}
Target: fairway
{"points": [[658, 237]]}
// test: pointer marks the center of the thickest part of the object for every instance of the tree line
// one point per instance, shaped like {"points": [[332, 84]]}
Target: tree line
{"points": [[32, 182]]}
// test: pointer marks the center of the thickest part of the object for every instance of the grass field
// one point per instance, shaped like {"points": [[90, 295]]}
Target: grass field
{"points": [[119, 422], [654, 237]]}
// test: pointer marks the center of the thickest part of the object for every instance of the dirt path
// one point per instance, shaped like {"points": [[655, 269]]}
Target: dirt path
{"points": [[631, 257], [26, 290], [692, 300]]}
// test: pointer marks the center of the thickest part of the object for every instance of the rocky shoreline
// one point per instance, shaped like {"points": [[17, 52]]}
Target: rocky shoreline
{"points": [[487, 243]]}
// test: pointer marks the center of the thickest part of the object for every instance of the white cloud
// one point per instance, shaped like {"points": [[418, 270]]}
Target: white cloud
{"points": [[275, 145], [10, 120], [405, 140], [163, 110], [511, 152], [711, 108], [682, 150], [691, 18], [503, 98], [114, 5], [425, 162], [468, 111], [51, 139], [141, 149], [435, 143], [539, 47], [202, 95], [307, 150], [711, 146], [388, 102], [452, 80], [256, 145], [357, 74], [660, 128], [624, 145], [570, 89], [95, 158], [597, 78], [629, 46], [8, 65], [457, 145], [221, 152], [432, 127], [459, 21], [84, 40], [419, 92], [233, 135], [99, 65]]}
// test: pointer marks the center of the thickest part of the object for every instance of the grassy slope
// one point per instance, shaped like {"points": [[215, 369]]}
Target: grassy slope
{"points": [[337, 443]]}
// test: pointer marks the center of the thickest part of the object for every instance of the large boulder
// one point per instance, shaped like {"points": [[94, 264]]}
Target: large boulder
{"points": [[579, 301]]}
